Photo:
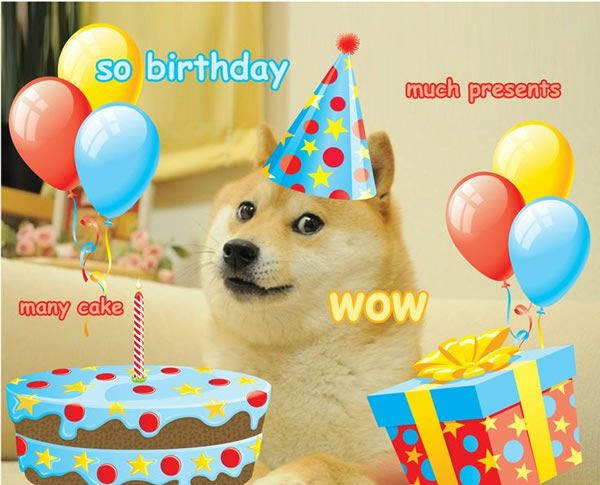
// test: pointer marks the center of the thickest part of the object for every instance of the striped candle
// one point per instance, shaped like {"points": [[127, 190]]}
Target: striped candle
{"points": [[138, 335]]}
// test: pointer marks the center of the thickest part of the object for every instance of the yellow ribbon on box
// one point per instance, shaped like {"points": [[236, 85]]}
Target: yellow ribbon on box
{"points": [[470, 357]]}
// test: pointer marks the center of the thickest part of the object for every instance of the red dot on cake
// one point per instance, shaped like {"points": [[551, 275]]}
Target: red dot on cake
{"points": [[290, 164], [149, 422], [257, 399], [333, 157], [37, 384], [331, 76], [218, 382], [359, 130], [106, 376], [74, 412], [311, 127], [170, 465], [231, 457], [21, 446], [106, 473], [337, 103], [170, 370], [339, 194], [61, 372], [144, 389], [298, 188], [361, 175]]}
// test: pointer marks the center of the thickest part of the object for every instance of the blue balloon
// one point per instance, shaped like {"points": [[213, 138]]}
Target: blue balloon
{"points": [[116, 154], [549, 243]]}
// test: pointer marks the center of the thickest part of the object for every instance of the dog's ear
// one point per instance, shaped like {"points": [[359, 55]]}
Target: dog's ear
{"points": [[382, 160], [266, 144]]}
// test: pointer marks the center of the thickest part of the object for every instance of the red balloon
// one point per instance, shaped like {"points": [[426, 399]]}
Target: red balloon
{"points": [[44, 119], [479, 214]]}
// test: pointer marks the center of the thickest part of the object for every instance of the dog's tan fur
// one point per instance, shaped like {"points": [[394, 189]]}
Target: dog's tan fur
{"points": [[319, 428]]}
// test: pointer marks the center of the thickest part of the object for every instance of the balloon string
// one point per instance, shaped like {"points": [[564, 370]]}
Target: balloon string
{"points": [[74, 225], [540, 313], [98, 276], [508, 304], [523, 335]]}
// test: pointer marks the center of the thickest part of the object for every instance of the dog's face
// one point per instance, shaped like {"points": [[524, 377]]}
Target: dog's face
{"points": [[274, 254]]}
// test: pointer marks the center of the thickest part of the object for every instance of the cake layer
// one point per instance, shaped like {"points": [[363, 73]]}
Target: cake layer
{"points": [[181, 433], [90, 398], [222, 464]]}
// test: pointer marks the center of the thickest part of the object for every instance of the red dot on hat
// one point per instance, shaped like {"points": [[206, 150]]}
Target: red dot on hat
{"points": [[74, 412], [106, 376], [106, 473], [145, 389], [333, 157], [231, 457], [21, 446], [170, 465], [61, 372], [298, 188], [337, 103], [361, 175], [359, 130], [311, 127], [339, 194], [331, 76], [257, 399], [290, 164], [170, 370], [149, 422], [37, 384], [218, 382]]}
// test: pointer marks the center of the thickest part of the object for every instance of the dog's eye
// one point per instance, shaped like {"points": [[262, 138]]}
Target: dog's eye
{"points": [[308, 224], [246, 211]]}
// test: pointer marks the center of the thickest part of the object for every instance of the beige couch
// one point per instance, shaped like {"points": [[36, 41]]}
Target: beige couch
{"points": [[174, 317]]}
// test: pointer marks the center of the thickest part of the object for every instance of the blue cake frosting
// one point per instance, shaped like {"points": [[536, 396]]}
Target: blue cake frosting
{"points": [[87, 398], [102, 466]]}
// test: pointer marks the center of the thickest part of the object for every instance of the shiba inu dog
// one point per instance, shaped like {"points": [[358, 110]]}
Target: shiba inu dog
{"points": [[273, 256]]}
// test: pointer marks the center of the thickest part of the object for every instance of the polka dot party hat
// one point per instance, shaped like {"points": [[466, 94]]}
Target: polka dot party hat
{"points": [[325, 153]]}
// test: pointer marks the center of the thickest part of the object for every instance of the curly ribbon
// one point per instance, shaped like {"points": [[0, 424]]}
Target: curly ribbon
{"points": [[523, 335], [468, 357], [89, 247], [540, 313]]}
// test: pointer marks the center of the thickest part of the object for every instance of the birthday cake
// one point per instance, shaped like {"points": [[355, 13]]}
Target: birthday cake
{"points": [[95, 425]]}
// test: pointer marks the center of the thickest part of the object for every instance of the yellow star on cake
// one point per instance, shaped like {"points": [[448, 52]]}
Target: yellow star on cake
{"points": [[256, 447], [139, 465], [82, 461], [77, 387], [204, 370], [215, 408], [45, 458], [16, 380], [245, 380], [27, 402], [186, 389], [116, 408], [202, 462], [490, 461], [335, 128], [89, 367]]}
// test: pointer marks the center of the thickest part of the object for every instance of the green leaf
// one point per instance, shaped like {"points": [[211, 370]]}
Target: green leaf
{"points": [[180, 251], [165, 263]]}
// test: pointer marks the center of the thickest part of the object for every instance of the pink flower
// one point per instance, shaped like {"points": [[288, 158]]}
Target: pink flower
{"points": [[149, 264], [45, 237], [139, 240], [65, 251], [134, 260], [154, 251], [26, 231], [25, 247], [166, 276]]}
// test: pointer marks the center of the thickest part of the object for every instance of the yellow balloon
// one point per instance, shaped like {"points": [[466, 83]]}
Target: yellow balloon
{"points": [[537, 158], [78, 59]]}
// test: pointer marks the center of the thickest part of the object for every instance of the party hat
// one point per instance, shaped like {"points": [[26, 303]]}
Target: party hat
{"points": [[325, 151]]}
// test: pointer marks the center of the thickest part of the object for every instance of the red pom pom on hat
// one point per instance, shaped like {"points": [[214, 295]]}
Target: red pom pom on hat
{"points": [[348, 43]]}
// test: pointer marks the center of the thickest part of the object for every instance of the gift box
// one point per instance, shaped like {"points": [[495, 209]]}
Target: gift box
{"points": [[501, 417]]}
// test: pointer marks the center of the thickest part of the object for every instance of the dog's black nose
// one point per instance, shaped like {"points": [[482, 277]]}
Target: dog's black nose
{"points": [[239, 253]]}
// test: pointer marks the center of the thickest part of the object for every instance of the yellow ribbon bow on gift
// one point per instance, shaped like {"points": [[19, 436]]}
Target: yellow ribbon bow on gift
{"points": [[468, 357]]}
